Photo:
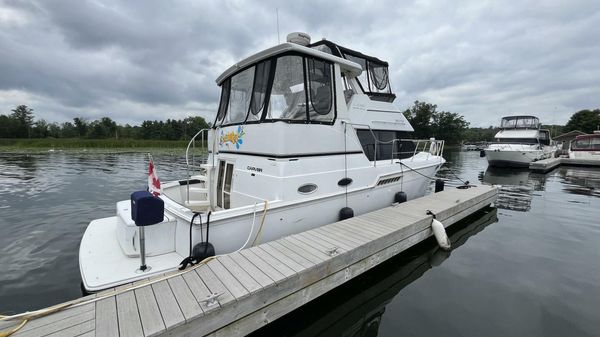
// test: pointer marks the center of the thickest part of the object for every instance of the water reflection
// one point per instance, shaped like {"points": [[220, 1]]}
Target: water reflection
{"points": [[357, 308], [516, 186], [581, 180]]}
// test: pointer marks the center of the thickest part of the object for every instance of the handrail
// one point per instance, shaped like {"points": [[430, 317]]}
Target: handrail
{"points": [[192, 143], [439, 144]]}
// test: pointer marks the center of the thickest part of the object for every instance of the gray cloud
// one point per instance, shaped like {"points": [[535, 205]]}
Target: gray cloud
{"points": [[154, 59]]}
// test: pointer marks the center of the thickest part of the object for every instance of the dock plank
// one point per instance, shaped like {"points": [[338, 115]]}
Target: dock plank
{"points": [[167, 304], [152, 322], [299, 257], [262, 278], [106, 318], [187, 302], [333, 241], [240, 274], [314, 253], [202, 291], [214, 285], [128, 316], [58, 316], [280, 258], [235, 287], [318, 243], [75, 330], [58, 326], [264, 265]]}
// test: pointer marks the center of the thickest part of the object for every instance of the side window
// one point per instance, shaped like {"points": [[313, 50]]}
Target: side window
{"points": [[239, 96], [321, 90], [224, 102], [288, 98], [259, 93]]}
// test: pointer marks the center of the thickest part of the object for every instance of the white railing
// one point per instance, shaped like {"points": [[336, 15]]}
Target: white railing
{"points": [[190, 167], [431, 146]]}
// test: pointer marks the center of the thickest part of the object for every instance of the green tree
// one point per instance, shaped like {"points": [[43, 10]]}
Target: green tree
{"points": [[449, 126], [81, 125], [428, 122], [420, 116], [39, 129], [8, 127], [585, 120], [24, 115]]}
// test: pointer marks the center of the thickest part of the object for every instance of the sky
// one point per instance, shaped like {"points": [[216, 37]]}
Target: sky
{"points": [[147, 60]]}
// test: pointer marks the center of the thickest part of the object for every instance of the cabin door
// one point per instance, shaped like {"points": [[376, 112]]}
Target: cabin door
{"points": [[224, 184]]}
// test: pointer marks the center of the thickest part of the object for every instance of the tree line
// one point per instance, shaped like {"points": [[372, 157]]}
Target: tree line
{"points": [[20, 124]]}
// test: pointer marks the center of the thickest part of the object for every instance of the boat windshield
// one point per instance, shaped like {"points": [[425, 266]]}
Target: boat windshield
{"points": [[291, 88], [520, 122]]}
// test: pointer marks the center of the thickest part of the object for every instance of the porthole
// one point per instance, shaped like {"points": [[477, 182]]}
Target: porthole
{"points": [[307, 188]]}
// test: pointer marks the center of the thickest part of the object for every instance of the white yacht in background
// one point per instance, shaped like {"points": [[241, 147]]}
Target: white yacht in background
{"points": [[305, 134], [519, 142], [586, 147]]}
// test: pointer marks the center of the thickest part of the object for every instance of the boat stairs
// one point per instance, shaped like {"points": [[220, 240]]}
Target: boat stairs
{"points": [[235, 294]]}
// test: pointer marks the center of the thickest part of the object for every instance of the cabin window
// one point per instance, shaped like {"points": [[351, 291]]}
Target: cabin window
{"points": [[386, 149], [321, 90], [220, 184], [239, 96], [224, 101], [227, 187], [259, 92], [288, 98], [517, 140]]}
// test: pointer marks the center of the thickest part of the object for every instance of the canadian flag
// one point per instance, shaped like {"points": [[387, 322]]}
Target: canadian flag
{"points": [[153, 182]]}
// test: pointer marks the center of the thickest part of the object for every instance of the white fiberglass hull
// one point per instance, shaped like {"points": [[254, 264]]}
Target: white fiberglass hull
{"points": [[104, 264], [585, 155], [515, 155]]}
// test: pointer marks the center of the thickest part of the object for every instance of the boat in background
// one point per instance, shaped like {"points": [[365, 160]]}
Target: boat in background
{"points": [[519, 142], [586, 147], [305, 135]]}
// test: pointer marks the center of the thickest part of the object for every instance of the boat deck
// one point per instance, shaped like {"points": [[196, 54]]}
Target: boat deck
{"points": [[550, 164], [237, 293]]}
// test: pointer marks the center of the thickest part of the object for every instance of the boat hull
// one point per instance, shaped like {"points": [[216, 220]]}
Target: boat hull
{"points": [[104, 264]]}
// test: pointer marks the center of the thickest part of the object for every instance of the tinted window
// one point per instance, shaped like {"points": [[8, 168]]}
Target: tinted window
{"points": [[321, 90], [224, 101], [288, 96], [400, 149]]}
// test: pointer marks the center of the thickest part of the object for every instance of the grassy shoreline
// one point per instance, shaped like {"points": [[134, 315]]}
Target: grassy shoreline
{"points": [[94, 145]]}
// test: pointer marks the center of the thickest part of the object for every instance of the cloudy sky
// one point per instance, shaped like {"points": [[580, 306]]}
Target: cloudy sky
{"points": [[138, 60]]}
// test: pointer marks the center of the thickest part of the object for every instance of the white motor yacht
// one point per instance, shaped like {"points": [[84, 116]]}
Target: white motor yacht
{"points": [[519, 142], [305, 135]]}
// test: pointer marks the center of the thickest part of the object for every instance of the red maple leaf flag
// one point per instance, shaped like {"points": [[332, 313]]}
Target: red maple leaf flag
{"points": [[153, 182]]}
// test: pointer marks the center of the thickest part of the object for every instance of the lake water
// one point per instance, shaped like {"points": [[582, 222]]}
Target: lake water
{"points": [[531, 267]]}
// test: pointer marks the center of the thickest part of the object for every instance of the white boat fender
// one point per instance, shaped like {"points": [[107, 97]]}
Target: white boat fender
{"points": [[439, 232]]}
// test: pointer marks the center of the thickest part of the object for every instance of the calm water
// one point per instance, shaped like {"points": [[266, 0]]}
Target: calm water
{"points": [[529, 268]]}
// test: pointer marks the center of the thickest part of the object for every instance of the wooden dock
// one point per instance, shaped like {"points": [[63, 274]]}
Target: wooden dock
{"points": [[237, 293], [550, 164]]}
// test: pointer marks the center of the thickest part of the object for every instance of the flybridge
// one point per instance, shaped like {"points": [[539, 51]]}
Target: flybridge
{"points": [[374, 80], [520, 122]]}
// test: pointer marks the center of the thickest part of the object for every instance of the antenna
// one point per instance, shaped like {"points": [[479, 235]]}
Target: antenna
{"points": [[277, 14]]}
